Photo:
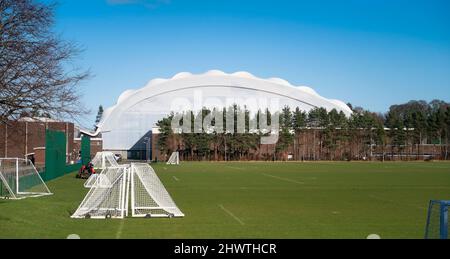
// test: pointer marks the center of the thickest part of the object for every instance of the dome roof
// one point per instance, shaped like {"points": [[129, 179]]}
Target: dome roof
{"points": [[136, 109]]}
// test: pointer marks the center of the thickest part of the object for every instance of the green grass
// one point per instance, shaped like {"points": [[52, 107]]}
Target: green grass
{"points": [[254, 200]]}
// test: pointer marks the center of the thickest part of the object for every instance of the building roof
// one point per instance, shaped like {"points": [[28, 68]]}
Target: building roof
{"points": [[160, 96], [37, 119]]}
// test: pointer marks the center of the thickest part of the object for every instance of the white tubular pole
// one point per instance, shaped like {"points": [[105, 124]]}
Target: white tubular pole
{"points": [[124, 182], [127, 191], [132, 189], [121, 197], [17, 175]]}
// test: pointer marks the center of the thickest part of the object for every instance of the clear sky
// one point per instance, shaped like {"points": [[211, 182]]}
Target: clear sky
{"points": [[369, 53]]}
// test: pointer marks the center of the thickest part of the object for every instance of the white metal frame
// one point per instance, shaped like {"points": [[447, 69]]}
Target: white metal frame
{"points": [[127, 194], [174, 158], [91, 181], [93, 178], [103, 157], [123, 197], [134, 208], [15, 195]]}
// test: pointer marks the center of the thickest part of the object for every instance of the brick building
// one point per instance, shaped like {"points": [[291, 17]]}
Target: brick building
{"points": [[26, 137]]}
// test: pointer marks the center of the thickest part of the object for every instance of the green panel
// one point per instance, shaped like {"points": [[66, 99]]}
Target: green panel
{"points": [[85, 150], [55, 154]]}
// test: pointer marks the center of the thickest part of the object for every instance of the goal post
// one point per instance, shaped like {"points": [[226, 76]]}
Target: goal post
{"points": [[19, 179], [107, 196], [117, 189], [174, 159], [149, 197], [437, 226]]}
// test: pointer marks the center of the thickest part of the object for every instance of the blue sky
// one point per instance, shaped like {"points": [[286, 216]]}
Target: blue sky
{"points": [[369, 53]]}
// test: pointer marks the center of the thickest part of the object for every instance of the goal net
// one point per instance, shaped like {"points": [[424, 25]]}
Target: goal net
{"points": [[149, 197], [174, 159], [107, 197], [437, 220], [93, 178], [113, 188], [103, 160], [19, 179], [90, 181]]}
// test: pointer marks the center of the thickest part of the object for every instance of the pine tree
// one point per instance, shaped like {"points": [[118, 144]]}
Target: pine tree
{"points": [[99, 116], [285, 137], [298, 124]]}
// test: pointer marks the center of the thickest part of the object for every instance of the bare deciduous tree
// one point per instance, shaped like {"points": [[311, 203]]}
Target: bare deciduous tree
{"points": [[37, 74]]}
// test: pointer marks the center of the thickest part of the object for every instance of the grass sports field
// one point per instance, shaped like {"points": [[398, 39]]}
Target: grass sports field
{"points": [[254, 200]]}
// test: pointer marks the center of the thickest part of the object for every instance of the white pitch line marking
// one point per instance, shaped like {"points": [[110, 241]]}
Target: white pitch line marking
{"points": [[119, 230], [284, 179], [232, 215], [176, 179]]}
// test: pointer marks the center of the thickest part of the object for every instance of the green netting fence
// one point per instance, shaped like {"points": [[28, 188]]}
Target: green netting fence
{"points": [[55, 155]]}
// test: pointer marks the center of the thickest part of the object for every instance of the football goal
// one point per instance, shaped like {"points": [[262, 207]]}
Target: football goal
{"points": [[19, 179], [107, 197], [174, 159], [103, 160], [115, 188], [149, 197], [437, 226]]}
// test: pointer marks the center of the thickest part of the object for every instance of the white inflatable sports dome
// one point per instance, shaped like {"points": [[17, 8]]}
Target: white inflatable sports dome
{"points": [[137, 111]]}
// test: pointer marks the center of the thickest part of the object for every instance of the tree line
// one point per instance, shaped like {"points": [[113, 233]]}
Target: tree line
{"points": [[407, 130]]}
